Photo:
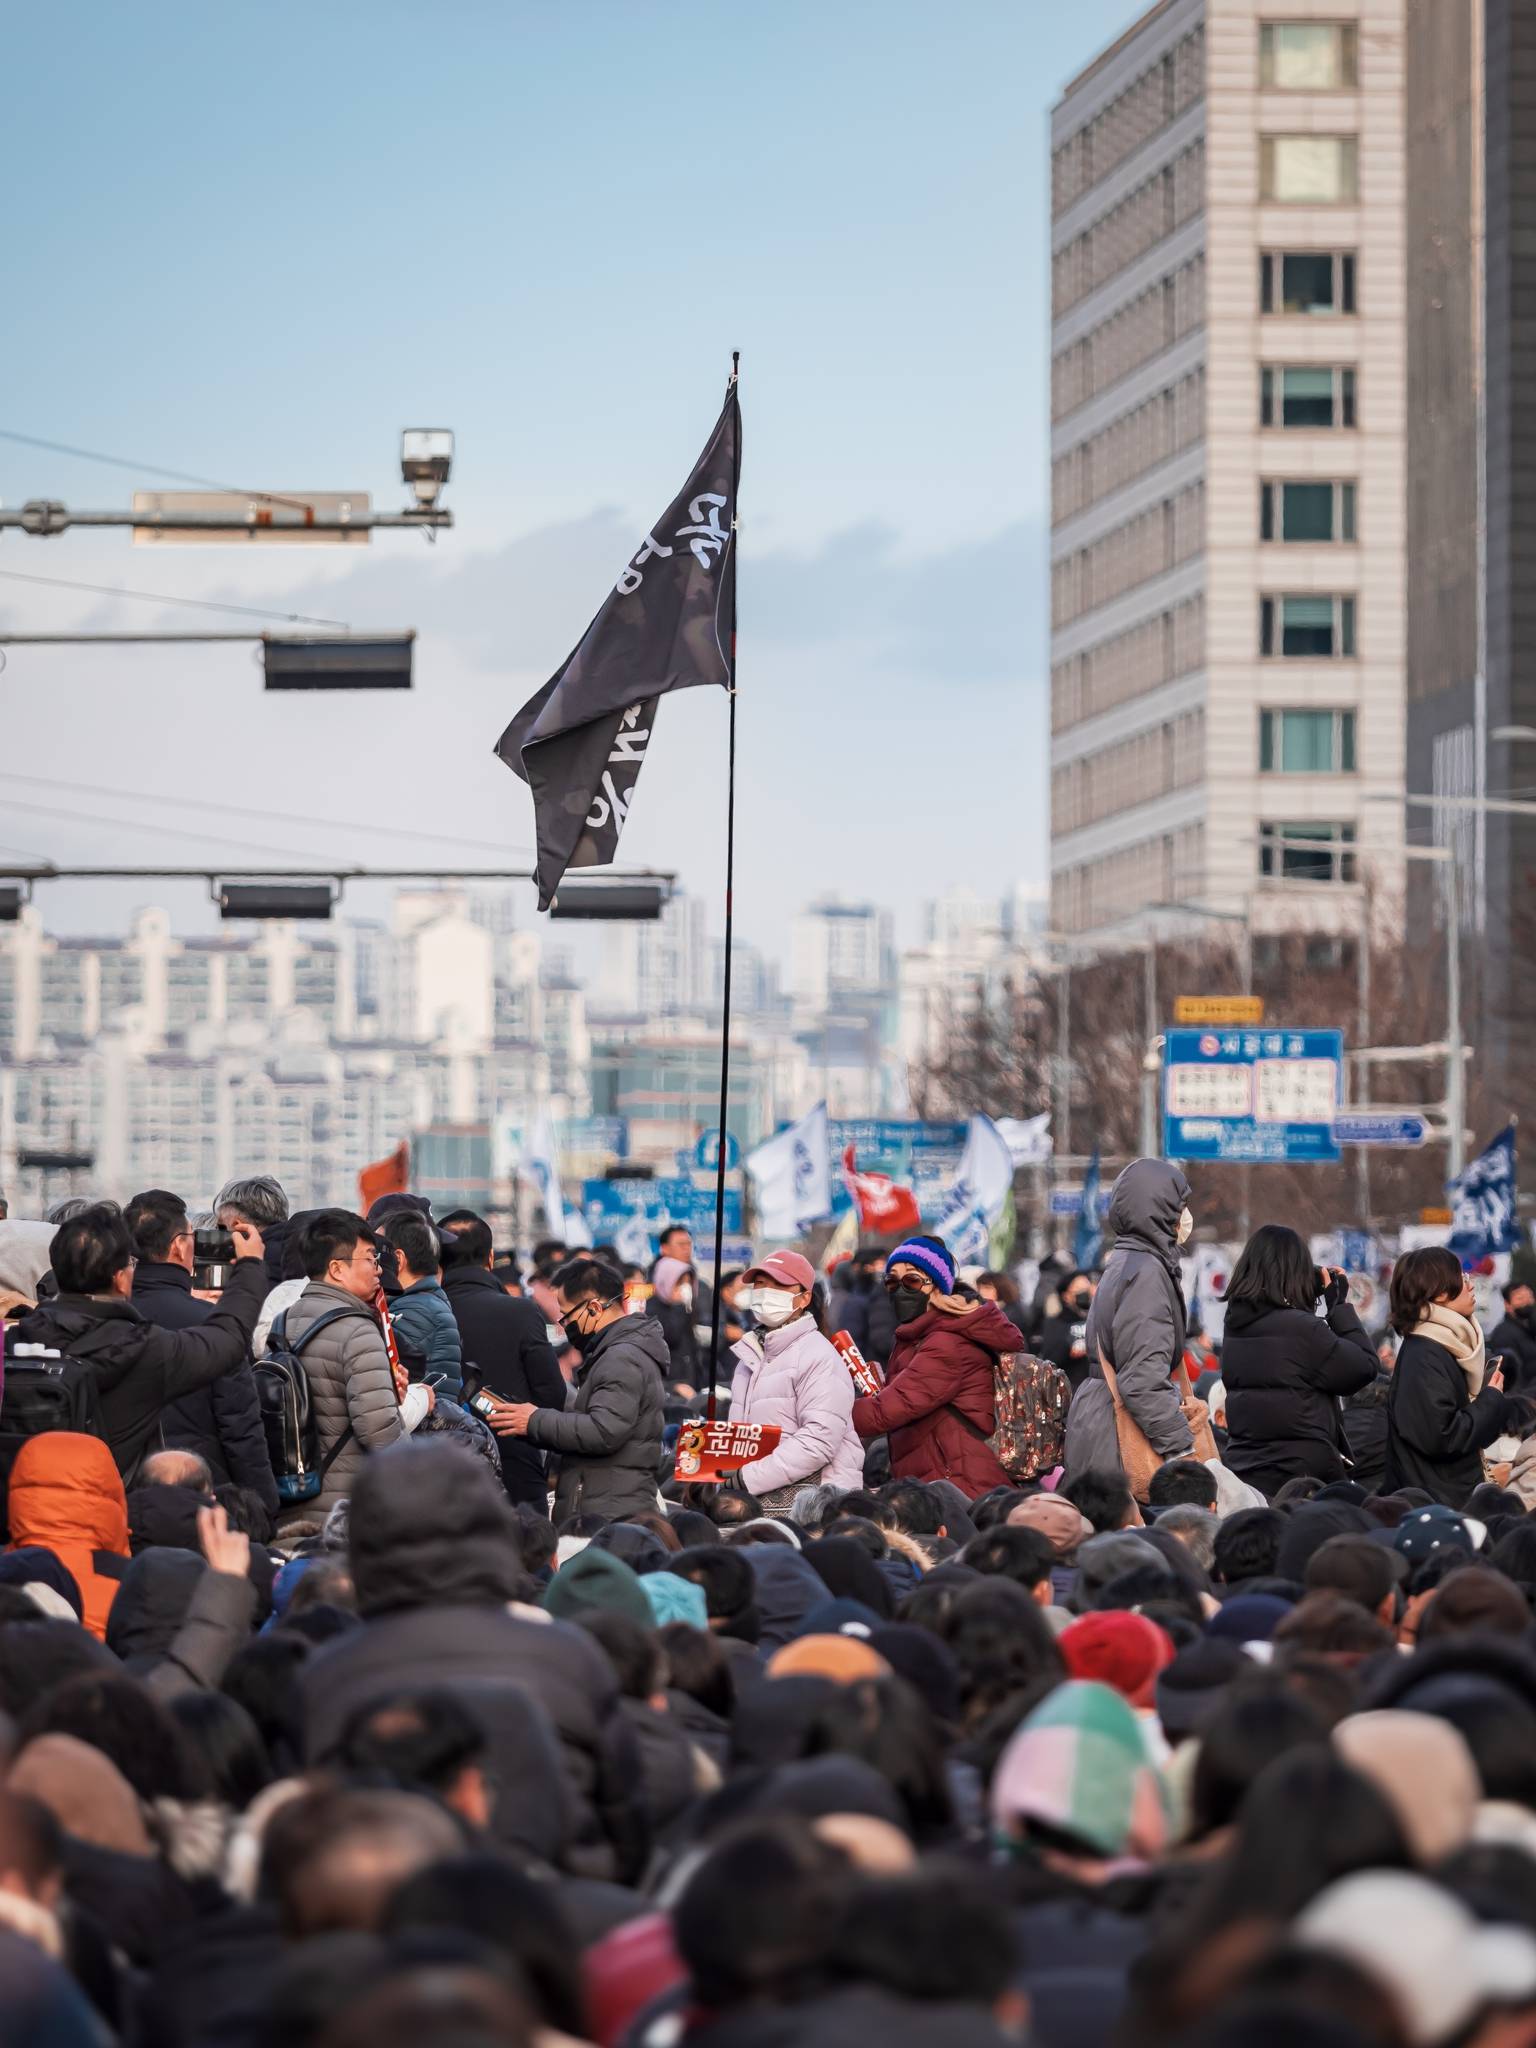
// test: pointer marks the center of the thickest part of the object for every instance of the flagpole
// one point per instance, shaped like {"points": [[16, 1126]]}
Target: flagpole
{"points": [[725, 991]]}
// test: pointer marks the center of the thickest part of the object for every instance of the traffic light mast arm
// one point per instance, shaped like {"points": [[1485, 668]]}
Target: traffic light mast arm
{"points": [[45, 517]]}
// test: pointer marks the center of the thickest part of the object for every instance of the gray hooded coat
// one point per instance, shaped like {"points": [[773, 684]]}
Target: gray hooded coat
{"points": [[1138, 1318]]}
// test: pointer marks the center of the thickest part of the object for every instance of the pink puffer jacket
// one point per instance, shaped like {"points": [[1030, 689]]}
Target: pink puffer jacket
{"points": [[793, 1377]]}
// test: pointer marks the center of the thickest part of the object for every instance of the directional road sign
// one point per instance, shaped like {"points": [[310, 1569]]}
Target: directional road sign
{"points": [[1380, 1127], [1251, 1095]]}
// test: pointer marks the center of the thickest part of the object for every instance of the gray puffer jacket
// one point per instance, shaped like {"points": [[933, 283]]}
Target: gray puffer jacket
{"points": [[609, 1438], [1138, 1319], [350, 1381]]}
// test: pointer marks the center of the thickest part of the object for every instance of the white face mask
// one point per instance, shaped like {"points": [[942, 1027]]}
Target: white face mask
{"points": [[1186, 1227], [772, 1306]]}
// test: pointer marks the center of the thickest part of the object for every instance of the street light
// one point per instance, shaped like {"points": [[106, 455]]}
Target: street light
{"points": [[426, 458]]}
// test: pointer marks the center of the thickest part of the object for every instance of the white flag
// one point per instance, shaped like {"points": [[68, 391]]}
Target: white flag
{"points": [[975, 1201], [1028, 1138], [792, 1176]]}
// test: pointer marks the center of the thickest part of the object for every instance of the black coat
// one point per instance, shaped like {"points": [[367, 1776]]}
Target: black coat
{"points": [[221, 1422], [435, 1563], [1285, 1371], [1517, 1341], [1365, 1425], [1064, 1342], [139, 1368], [504, 1339], [1436, 1432]]}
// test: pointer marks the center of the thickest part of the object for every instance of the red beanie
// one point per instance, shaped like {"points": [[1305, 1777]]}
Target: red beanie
{"points": [[1125, 1651]]}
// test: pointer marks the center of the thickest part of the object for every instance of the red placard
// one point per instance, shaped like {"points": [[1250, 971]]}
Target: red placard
{"points": [[706, 1450]]}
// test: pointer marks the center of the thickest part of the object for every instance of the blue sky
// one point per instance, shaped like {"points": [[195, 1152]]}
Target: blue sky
{"points": [[256, 242]]}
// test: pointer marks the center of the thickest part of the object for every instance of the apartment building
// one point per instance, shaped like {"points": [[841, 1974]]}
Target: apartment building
{"points": [[1228, 476]]}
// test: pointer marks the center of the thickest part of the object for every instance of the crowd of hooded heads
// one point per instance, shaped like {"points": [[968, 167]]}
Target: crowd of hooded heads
{"points": [[891, 1765]]}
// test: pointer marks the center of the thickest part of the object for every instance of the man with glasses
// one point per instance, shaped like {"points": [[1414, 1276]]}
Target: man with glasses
{"points": [[358, 1405], [220, 1422], [609, 1438]]}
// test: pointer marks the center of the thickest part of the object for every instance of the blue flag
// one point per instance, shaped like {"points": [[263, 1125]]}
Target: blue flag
{"points": [[1088, 1240], [1484, 1218]]}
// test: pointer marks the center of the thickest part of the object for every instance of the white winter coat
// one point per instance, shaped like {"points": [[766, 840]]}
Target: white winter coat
{"points": [[795, 1378]]}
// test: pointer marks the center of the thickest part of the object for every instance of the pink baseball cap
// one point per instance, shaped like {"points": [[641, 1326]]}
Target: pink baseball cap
{"points": [[788, 1268]]}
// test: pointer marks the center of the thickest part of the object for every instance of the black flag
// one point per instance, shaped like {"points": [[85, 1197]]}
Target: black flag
{"points": [[669, 623]]}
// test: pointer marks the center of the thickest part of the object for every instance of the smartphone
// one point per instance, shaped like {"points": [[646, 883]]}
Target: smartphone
{"points": [[434, 1379], [484, 1404], [213, 1258]]}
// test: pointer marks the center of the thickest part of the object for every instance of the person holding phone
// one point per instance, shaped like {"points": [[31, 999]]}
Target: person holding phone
{"points": [[1286, 1368], [1445, 1404]]}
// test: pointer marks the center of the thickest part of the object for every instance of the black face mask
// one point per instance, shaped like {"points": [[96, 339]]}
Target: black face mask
{"points": [[583, 1340], [1079, 1303], [909, 1303]]}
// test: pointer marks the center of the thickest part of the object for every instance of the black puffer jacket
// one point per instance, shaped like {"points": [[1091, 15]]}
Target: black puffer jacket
{"points": [[1285, 1371], [435, 1563], [221, 1422], [1436, 1432], [609, 1439], [504, 1337], [140, 1369]]}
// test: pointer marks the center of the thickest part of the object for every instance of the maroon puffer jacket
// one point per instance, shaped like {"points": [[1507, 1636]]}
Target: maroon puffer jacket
{"points": [[939, 1364]]}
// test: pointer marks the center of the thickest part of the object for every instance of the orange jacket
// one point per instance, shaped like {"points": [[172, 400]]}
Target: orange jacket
{"points": [[66, 1496]]}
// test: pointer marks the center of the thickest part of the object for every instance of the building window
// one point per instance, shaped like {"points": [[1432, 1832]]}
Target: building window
{"points": [[1307, 281], [1306, 742], [1305, 627], [1308, 56], [1308, 170], [1305, 851], [1307, 511], [1307, 397]]}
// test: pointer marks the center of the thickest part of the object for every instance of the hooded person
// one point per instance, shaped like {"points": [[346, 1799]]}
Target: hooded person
{"points": [[44, 1569], [673, 1308], [848, 1572], [938, 1406], [788, 1588], [436, 1568], [66, 1496], [1137, 1324]]}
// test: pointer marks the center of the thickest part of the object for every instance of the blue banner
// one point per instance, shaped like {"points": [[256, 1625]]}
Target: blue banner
{"points": [[1088, 1238], [919, 1155], [608, 1205], [1251, 1095], [1484, 1203]]}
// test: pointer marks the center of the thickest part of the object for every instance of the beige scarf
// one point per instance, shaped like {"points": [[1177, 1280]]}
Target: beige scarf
{"points": [[1460, 1336]]}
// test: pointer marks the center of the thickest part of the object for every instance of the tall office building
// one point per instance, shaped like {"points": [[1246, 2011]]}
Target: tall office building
{"points": [[1228, 424], [839, 949], [659, 969], [1471, 180]]}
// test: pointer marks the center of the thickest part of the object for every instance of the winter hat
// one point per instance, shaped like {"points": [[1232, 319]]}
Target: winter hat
{"points": [[1079, 1765], [1054, 1518], [637, 1547], [673, 1599], [1193, 1686], [34, 1566], [1250, 1618], [1105, 1557], [843, 1659], [838, 1618], [1426, 1530], [930, 1255], [1418, 1941], [772, 1719], [596, 1580], [1310, 1527], [821, 1785], [1423, 1769], [927, 1665], [848, 1572], [1125, 1651]]}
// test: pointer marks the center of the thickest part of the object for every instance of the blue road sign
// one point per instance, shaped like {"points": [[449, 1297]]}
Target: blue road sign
{"points": [[1379, 1127], [706, 1152], [1069, 1202], [1251, 1095]]}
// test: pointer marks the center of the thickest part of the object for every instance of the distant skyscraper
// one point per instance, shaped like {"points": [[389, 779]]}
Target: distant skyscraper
{"points": [[659, 969], [1228, 484], [838, 948]]}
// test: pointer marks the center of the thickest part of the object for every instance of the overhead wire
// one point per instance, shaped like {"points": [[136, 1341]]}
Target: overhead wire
{"points": [[179, 476], [204, 604], [393, 830]]}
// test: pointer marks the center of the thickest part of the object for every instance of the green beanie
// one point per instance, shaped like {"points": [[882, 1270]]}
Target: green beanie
{"points": [[596, 1579]]}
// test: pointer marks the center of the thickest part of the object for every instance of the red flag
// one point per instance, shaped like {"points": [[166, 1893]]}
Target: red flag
{"points": [[883, 1207], [391, 1176]]}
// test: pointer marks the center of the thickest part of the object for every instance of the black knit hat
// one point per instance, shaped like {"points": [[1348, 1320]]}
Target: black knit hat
{"points": [[1193, 1686]]}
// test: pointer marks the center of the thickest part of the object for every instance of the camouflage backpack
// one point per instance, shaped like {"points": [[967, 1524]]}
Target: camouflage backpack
{"points": [[1030, 1432]]}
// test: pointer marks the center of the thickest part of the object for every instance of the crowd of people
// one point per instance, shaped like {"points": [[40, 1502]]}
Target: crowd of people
{"points": [[367, 1677]]}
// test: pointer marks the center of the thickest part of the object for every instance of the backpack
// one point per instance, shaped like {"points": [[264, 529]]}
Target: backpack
{"points": [[1031, 1397], [44, 1390], [287, 1412]]}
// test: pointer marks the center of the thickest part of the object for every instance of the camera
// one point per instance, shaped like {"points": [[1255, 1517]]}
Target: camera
{"points": [[213, 1258]]}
